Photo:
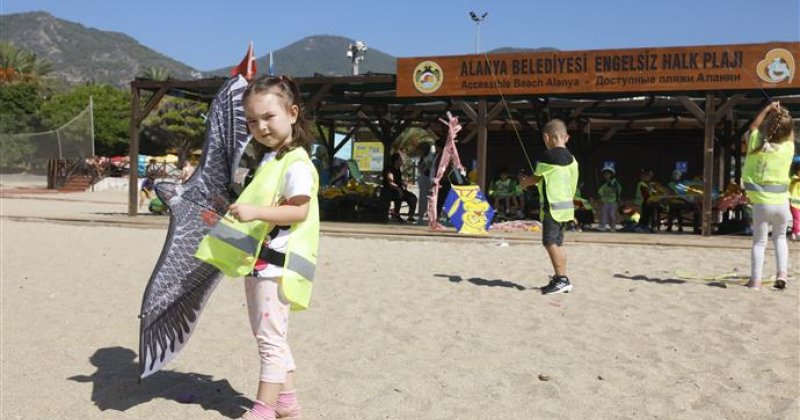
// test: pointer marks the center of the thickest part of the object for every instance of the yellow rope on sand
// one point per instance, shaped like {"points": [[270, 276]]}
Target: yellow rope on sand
{"points": [[733, 277]]}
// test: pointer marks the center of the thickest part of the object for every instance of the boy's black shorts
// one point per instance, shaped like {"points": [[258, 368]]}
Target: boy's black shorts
{"points": [[552, 231]]}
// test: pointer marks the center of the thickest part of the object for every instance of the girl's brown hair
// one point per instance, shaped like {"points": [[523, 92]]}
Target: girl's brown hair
{"points": [[286, 88], [776, 128]]}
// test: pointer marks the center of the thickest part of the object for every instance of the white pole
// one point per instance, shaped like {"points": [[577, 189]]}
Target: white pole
{"points": [[477, 37]]}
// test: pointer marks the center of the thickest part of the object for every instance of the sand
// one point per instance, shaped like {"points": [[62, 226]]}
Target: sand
{"points": [[400, 329]]}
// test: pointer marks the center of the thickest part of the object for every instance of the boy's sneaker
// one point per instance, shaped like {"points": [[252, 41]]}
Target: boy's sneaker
{"points": [[558, 284]]}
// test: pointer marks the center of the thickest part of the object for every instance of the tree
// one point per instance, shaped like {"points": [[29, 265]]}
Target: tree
{"points": [[19, 108], [18, 65], [178, 123], [409, 140], [111, 114]]}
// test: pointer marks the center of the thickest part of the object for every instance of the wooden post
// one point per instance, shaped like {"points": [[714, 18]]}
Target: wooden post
{"points": [[482, 146], [708, 163], [727, 152], [730, 143], [133, 155], [330, 144]]}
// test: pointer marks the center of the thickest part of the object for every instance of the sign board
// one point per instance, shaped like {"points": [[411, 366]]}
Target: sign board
{"points": [[748, 66], [369, 155]]}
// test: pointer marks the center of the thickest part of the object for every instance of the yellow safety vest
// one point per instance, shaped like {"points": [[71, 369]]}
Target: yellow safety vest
{"points": [[233, 247], [766, 174], [610, 191], [639, 197], [561, 183], [794, 193]]}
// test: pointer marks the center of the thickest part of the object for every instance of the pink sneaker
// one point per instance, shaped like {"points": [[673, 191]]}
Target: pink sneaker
{"points": [[288, 407], [260, 411]]}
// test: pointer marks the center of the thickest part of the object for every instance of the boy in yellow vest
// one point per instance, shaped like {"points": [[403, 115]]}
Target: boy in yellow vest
{"points": [[556, 177]]}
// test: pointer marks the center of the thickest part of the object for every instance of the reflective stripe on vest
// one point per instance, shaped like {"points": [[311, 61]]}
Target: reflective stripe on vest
{"points": [[238, 239], [301, 266], [765, 188], [562, 205]]}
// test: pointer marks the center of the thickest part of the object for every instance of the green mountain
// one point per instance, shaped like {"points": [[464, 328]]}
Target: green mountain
{"points": [[323, 54], [80, 54]]}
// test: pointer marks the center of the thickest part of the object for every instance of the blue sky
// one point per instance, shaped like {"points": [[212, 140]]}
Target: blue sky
{"points": [[208, 35]]}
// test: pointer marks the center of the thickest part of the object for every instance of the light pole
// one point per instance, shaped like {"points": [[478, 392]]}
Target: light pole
{"points": [[478, 20], [355, 52]]}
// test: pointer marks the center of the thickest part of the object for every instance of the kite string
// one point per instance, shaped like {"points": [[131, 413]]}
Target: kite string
{"points": [[749, 74], [508, 111]]}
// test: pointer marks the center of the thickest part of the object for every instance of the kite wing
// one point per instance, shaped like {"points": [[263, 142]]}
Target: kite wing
{"points": [[180, 284]]}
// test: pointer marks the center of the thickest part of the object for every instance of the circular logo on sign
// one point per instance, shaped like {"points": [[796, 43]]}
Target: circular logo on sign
{"points": [[777, 66], [428, 77]]}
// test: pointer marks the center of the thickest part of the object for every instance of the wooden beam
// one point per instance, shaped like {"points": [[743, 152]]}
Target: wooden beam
{"points": [[609, 134], [368, 123], [330, 143], [133, 155], [151, 104], [722, 112], [471, 114], [482, 143], [493, 113], [468, 138], [692, 107], [349, 135], [311, 103], [708, 163], [574, 114]]}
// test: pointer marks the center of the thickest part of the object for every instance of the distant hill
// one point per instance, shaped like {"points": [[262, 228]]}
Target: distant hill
{"points": [[323, 54], [80, 54]]}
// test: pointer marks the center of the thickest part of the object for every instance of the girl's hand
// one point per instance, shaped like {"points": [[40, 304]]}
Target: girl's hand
{"points": [[775, 106], [243, 212]]}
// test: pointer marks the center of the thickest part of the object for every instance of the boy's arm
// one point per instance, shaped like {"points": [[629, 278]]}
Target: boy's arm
{"points": [[528, 181], [294, 210]]}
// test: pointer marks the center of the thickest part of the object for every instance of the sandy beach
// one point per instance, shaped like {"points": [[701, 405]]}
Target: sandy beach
{"points": [[418, 328]]}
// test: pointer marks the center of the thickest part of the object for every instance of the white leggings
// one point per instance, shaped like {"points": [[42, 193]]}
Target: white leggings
{"points": [[779, 217], [269, 319]]}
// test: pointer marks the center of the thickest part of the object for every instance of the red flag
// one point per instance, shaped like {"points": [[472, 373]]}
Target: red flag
{"points": [[247, 67]]}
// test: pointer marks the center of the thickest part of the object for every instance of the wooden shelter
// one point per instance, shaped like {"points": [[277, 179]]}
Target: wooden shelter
{"points": [[600, 107]]}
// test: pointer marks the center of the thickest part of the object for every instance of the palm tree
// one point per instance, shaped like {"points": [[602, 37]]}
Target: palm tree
{"points": [[155, 73], [409, 140], [18, 65]]}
